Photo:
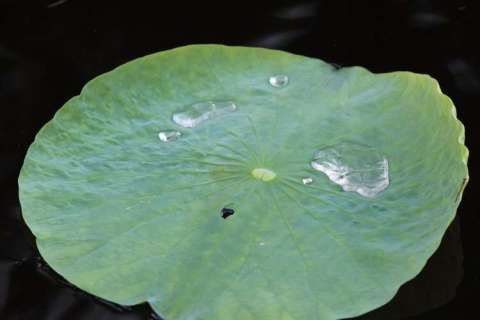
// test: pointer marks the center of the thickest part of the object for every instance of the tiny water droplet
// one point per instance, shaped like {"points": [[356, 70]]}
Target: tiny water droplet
{"points": [[170, 135], [278, 81], [199, 112], [354, 167], [307, 180], [261, 243]]}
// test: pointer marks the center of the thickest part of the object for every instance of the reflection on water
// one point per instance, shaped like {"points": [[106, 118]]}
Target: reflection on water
{"points": [[297, 11], [465, 76], [277, 40]]}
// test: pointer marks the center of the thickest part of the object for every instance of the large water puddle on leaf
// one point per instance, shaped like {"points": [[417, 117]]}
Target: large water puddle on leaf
{"points": [[354, 167]]}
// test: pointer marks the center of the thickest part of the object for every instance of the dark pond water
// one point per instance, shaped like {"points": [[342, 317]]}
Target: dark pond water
{"points": [[49, 49]]}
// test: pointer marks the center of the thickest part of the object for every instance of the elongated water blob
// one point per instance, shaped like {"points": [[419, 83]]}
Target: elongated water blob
{"points": [[199, 112], [278, 81], [354, 167], [169, 135]]}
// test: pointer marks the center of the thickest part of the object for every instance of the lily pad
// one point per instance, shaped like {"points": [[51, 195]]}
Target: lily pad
{"points": [[185, 179]]}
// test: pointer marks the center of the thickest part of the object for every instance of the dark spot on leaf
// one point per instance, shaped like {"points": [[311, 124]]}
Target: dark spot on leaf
{"points": [[227, 212]]}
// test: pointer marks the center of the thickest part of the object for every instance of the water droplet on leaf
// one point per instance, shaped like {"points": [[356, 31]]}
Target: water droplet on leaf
{"points": [[170, 135], [354, 167], [278, 81], [307, 180], [199, 112]]}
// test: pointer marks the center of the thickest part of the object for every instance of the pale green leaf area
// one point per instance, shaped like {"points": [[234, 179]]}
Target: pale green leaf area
{"points": [[130, 218]]}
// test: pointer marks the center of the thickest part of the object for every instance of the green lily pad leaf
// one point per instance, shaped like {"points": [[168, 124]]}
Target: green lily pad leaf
{"points": [[222, 182]]}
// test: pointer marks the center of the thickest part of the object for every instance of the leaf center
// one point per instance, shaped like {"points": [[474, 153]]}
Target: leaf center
{"points": [[263, 174]]}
